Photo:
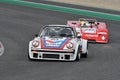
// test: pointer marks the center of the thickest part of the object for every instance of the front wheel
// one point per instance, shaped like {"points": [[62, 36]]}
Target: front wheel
{"points": [[84, 52], [30, 58], [78, 54], [84, 55]]}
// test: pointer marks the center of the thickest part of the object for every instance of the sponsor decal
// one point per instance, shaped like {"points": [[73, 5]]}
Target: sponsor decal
{"points": [[53, 42], [1, 49], [89, 30], [90, 35], [102, 32]]}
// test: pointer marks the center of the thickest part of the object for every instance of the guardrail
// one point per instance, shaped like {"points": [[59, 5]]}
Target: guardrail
{"points": [[65, 9]]}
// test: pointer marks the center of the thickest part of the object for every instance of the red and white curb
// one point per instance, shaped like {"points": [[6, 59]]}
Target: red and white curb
{"points": [[1, 49]]}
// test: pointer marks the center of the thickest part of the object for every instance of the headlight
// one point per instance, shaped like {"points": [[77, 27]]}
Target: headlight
{"points": [[103, 37], [69, 45], [35, 43]]}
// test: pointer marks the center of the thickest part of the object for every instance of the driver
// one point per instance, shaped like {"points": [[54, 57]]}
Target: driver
{"points": [[84, 23]]}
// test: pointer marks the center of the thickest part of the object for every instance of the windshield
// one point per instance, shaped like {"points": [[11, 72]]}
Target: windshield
{"points": [[57, 32]]}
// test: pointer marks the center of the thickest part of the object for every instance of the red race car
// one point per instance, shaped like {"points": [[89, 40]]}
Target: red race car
{"points": [[91, 29]]}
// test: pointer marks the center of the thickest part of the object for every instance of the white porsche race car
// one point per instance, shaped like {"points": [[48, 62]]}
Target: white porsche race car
{"points": [[58, 42]]}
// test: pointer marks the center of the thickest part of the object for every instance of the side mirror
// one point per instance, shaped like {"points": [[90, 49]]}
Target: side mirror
{"points": [[36, 35], [78, 35]]}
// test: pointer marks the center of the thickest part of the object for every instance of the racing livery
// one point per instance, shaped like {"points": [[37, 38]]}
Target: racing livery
{"points": [[91, 30], [58, 42]]}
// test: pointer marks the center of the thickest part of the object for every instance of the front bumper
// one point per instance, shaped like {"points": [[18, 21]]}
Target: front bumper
{"points": [[43, 54]]}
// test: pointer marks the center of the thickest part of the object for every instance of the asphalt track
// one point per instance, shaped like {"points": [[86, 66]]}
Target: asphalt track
{"points": [[18, 25]]}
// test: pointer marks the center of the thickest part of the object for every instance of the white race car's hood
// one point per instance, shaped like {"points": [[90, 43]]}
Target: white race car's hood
{"points": [[89, 30], [52, 42]]}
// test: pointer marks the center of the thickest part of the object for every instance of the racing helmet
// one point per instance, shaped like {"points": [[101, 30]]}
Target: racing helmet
{"points": [[82, 23]]}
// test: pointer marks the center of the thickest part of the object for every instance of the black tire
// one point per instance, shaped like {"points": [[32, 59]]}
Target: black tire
{"points": [[78, 54], [85, 55], [30, 58]]}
